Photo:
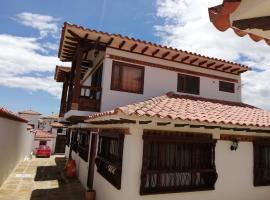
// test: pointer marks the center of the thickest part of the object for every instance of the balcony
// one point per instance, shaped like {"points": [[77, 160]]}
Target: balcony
{"points": [[89, 99]]}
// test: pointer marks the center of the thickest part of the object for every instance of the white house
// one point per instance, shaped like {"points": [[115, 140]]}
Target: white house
{"points": [[32, 117], [153, 122]]}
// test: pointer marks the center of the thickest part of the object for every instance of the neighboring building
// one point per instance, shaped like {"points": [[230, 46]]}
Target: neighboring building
{"points": [[15, 142], [45, 122], [245, 17], [32, 117], [59, 131], [166, 123], [43, 138]]}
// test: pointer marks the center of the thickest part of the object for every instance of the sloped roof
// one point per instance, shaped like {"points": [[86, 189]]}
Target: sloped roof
{"points": [[221, 17], [30, 112], [41, 134], [57, 125], [184, 107], [73, 34], [61, 73], [11, 115]]}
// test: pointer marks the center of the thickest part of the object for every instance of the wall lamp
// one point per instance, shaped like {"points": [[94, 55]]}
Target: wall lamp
{"points": [[234, 145]]}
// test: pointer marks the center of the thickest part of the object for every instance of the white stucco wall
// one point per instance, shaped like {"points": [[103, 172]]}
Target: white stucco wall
{"points": [[160, 81], [235, 171], [33, 119], [16, 144]]}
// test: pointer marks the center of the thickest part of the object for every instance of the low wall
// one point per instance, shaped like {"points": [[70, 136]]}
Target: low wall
{"points": [[16, 144]]}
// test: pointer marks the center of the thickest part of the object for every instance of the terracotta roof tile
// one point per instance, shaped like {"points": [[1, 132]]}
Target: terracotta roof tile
{"points": [[41, 134], [30, 112], [191, 108], [11, 115], [57, 125]]}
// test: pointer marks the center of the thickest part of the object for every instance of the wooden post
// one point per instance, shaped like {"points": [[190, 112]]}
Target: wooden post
{"points": [[70, 86], [77, 80], [63, 107]]}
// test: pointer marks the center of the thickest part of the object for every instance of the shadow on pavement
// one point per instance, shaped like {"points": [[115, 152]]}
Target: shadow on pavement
{"points": [[68, 189]]}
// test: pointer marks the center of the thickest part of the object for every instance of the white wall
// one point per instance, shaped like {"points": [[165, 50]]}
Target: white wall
{"points": [[235, 171], [33, 119], [16, 144], [160, 81]]}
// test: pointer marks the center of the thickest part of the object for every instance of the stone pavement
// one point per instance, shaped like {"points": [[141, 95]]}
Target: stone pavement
{"points": [[41, 179]]}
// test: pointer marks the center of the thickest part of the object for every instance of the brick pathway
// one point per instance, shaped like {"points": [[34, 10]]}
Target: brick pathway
{"points": [[41, 179]]}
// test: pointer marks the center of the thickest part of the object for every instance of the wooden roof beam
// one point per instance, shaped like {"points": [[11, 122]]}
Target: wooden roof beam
{"points": [[122, 44], [226, 68], [184, 59], [202, 62], [72, 39], [110, 41], [155, 52], [71, 43], [234, 70], [75, 35], [219, 66], [175, 56], [194, 60], [165, 54], [261, 23], [211, 64], [145, 49], [133, 47]]}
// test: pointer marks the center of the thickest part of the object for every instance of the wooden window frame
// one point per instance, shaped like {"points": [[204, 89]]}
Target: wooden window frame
{"points": [[110, 167], [258, 168], [179, 139], [83, 144], [185, 83], [221, 88], [122, 65]]}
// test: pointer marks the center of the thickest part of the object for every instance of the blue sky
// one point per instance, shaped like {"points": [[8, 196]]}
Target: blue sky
{"points": [[30, 33], [132, 18]]}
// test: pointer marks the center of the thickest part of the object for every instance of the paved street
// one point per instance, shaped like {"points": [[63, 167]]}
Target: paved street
{"points": [[41, 179]]}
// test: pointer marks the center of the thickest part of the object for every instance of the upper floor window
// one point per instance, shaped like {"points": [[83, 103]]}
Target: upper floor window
{"points": [[177, 162], [127, 77], [261, 162], [188, 84], [109, 156], [226, 86]]}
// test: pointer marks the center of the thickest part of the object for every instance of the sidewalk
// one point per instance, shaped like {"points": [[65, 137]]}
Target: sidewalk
{"points": [[41, 179]]}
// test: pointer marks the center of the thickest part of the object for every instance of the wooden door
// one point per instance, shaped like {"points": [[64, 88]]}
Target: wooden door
{"points": [[60, 144], [92, 161]]}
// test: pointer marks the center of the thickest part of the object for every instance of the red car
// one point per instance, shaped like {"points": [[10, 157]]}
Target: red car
{"points": [[43, 151]]}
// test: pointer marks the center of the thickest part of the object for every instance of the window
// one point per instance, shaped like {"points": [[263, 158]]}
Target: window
{"points": [[42, 142], [261, 162], [188, 84], [83, 144], [226, 87], [109, 156], [177, 162], [74, 141], [127, 77], [59, 130]]}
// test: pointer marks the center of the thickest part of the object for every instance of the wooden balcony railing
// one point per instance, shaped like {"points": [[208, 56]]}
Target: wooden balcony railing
{"points": [[89, 99]]}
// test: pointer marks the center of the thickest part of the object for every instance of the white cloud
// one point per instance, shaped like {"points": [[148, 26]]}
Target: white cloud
{"points": [[186, 25], [20, 59], [44, 23]]}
